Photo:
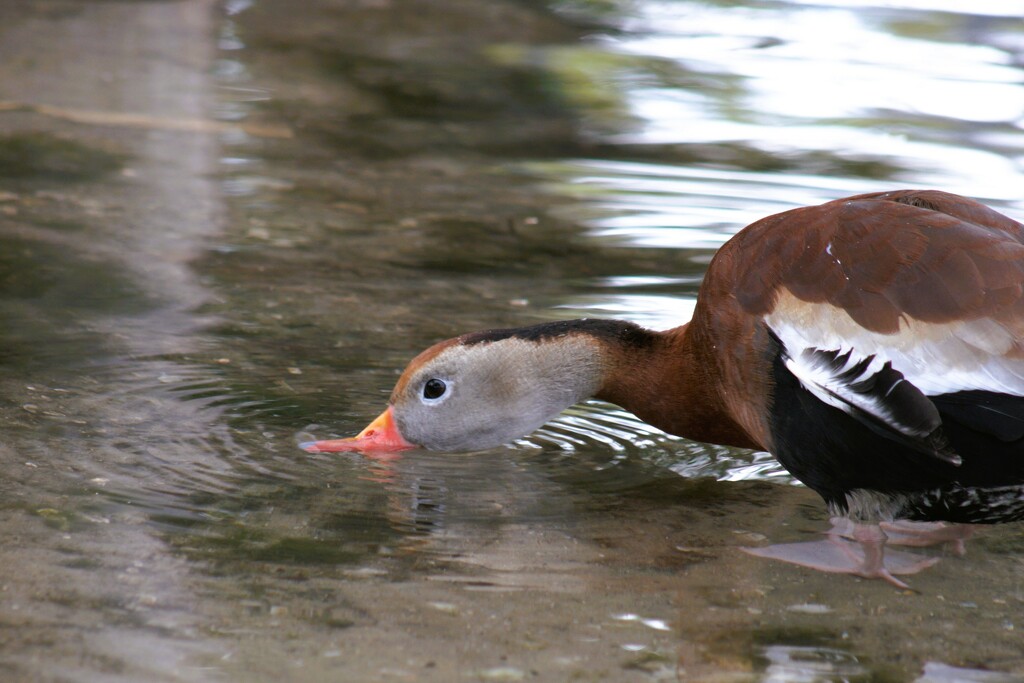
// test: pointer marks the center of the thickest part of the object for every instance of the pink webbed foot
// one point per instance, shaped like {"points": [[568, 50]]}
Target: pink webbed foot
{"points": [[915, 534], [925, 534], [865, 556]]}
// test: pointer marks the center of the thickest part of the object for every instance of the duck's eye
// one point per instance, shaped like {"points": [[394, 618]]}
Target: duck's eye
{"points": [[434, 388]]}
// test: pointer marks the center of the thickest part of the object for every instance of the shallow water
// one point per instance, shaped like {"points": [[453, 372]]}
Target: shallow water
{"points": [[227, 226]]}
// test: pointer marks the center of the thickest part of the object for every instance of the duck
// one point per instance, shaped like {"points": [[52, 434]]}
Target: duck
{"points": [[874, 345]]}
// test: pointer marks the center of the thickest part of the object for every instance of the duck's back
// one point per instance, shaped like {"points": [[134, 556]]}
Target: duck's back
{"points": [[887, 334]]}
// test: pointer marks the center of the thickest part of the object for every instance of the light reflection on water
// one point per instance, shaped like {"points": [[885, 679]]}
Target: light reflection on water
{"points": [[993, 8], [820, 78], [675, 207], [805, 664], [657, 312]]}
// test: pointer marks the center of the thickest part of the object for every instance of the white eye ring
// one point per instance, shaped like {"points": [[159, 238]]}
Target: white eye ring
{"points": [[435, 390]]}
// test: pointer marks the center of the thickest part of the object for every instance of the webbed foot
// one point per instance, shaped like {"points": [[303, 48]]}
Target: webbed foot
{"points": [[863, 556]]}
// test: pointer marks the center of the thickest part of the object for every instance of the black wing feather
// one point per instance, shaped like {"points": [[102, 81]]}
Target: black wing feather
{"points": [[998, 415], [910, 417]]}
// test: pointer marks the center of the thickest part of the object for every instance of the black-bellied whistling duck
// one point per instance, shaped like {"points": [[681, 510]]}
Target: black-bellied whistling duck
{"points": [[874, 345]]}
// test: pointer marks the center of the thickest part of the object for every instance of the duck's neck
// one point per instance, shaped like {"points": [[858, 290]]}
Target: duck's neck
{"points": [[670, 380]]}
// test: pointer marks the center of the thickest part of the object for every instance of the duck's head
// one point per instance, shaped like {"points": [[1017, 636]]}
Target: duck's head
{"points": [[486, 389]]}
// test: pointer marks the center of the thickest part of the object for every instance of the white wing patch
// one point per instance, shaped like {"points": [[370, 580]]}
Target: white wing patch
{"points": [[935, 358], [833, 377], [875, 395]]}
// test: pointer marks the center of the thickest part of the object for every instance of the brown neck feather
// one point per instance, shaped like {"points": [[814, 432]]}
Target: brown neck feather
{"points": [[672, 382]]}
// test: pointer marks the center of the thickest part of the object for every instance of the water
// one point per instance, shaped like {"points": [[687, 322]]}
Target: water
{"points": [[226, 227]]}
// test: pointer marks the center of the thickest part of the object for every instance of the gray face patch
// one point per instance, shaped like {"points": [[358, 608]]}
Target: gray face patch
{"points": [[495, 392]]}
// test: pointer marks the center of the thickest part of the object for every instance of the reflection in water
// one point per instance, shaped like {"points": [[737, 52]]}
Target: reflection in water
{"points": [[837, 96], [935, 672], [657, 205], [803, 664], [659, 312]]}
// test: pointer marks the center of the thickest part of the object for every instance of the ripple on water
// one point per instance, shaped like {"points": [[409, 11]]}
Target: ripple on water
{"points": [[164, 436], [600, 436], [201, 454]]}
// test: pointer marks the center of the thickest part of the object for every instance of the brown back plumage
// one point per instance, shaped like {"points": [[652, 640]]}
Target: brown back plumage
{"points": [[932, 256]]}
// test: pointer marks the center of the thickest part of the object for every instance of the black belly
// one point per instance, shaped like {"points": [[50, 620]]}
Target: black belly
{"points": [[834, 454]]}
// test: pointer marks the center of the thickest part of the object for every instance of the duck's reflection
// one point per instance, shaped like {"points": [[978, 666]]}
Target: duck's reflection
{"points": [[455, 506]]}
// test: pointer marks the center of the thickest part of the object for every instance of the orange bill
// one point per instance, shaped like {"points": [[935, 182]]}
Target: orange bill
{"points": [[380, 435]]}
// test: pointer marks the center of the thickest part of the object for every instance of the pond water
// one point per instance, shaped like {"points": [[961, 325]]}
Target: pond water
{"points": [[226, 226]]}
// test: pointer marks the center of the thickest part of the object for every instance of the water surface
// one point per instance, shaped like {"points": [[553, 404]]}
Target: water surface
{"points": [[227, 226]]}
